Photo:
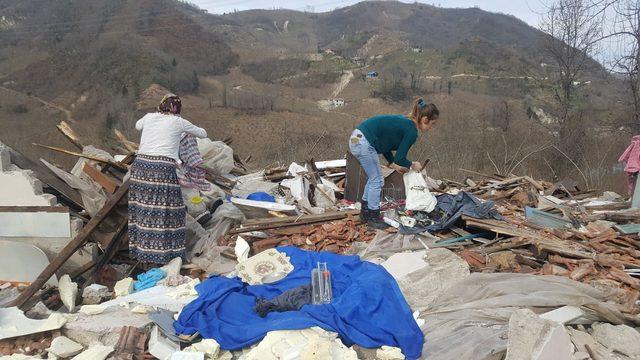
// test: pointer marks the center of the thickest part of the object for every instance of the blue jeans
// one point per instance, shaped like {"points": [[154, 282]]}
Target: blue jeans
{"points": [[368, 158]]}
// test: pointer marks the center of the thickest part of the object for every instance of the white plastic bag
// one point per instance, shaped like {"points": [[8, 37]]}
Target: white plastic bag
{"points": [[419, 198], [217, 156]]}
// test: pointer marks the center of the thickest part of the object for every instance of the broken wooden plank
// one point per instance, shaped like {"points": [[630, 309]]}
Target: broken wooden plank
{"points": [[70, 134], [72, 246], [66, 193], [266, 224], [130, 146], [498, 227], [90, 157], [494, 177], [105, 181], [514, 243]]}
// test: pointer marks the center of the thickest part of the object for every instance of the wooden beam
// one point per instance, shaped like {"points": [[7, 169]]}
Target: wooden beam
{"points": [[72, 246], [112, 163], [67, 193], [275, 223], [107, 183]]}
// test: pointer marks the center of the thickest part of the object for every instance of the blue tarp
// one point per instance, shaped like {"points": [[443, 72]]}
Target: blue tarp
{"points": [[368, 308]]}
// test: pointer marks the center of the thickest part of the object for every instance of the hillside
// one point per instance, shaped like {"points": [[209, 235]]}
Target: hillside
{"points": [[88, 62]]}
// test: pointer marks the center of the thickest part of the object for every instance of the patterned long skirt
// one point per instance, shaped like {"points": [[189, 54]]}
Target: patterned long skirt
{"points": [[156, 211]]}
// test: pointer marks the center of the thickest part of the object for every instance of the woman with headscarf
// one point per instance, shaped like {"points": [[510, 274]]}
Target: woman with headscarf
{"points": [[157, 212]]}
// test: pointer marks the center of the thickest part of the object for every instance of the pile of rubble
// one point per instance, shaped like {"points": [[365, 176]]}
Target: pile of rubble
{"points": [[472, 259]]}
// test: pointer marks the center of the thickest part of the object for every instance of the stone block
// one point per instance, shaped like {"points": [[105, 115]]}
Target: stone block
{"points": [[95, 294], [123, 287], [531, 337], [68, 292], [64, 347], [621, 338], [95, 352]]}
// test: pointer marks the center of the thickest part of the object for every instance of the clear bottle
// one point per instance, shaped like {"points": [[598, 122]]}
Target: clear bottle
{"points": [[321, 292]]}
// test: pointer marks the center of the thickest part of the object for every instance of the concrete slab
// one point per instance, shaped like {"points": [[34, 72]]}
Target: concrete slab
{"points": [[22, 262], [21, 188], [13, 323], [564, 315], [160, 296], [421, 287], [402, 264], [531, 337], [35, 223], [104, 327], [53, 246]]}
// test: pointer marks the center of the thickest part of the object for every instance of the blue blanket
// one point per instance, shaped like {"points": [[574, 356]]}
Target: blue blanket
{"points": [[368, 308]]}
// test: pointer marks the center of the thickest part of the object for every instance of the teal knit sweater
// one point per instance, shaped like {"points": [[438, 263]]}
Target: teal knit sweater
{"points": [[387, 133]]}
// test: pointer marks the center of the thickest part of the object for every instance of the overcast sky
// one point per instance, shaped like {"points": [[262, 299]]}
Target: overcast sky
{"points": [[527, 10]]}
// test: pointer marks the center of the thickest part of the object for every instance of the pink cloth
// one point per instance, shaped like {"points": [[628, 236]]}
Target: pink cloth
{"points": [[631, 156]]}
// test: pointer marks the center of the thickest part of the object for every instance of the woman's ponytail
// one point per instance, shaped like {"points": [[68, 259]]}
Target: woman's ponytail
{"points": [[422, 108]]}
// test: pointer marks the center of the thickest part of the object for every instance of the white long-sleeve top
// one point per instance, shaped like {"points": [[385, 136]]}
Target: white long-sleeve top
{"points": [[161, 134]]}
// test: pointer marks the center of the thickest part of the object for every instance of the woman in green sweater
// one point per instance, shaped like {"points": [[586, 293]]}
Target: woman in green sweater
{"points": [[384, 134]]}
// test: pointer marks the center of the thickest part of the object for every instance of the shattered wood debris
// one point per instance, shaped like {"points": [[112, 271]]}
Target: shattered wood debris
{"points": [[546, 229], [335, 236], [572, 234]]}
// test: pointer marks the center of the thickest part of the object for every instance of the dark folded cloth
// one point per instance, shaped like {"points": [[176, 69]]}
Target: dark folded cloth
{"points": [[290, 300]]}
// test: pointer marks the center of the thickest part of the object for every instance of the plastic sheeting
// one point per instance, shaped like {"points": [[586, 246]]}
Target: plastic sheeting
{"points": [[93, 197], [251, 183], [385, 244], [202, 246], [470, 320], [217, 156]]}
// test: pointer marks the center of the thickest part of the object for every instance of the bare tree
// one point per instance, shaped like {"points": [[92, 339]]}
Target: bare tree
{"points": [[573, 29], [626, 31]]}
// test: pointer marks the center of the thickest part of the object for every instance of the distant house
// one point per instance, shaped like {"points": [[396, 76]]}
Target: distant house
{"points": [[416, 49], [372, 74]]}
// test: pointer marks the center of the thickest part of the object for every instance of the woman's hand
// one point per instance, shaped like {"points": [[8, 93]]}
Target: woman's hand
{"points": [[398, 168], [416, 166]]}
